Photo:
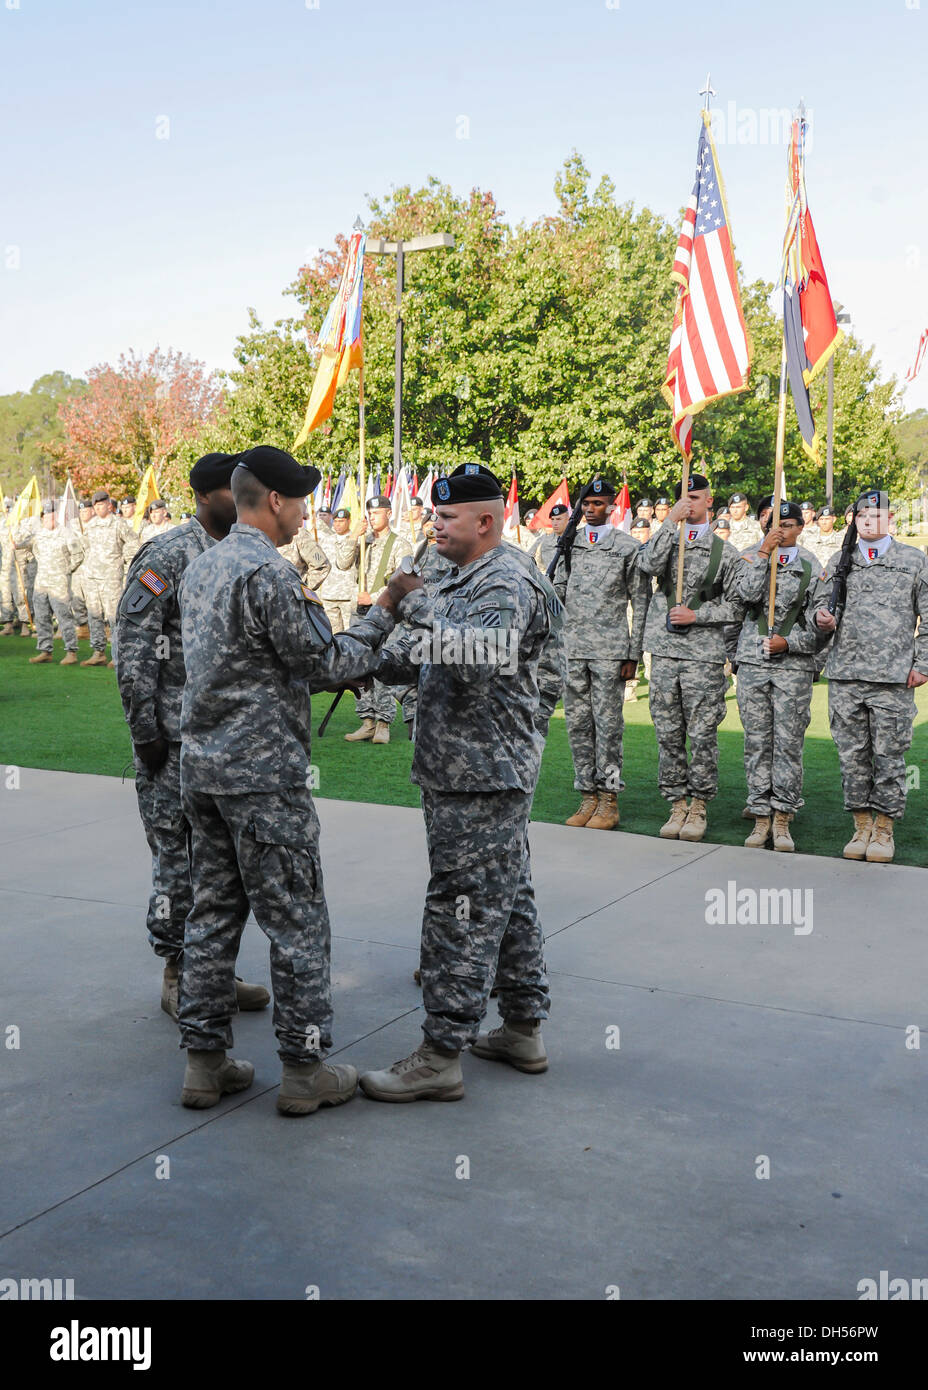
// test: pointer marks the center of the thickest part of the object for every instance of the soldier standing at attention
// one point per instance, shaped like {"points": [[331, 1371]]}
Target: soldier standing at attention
{"points": [[775, 673], [879, 656], [603, 651], [151, 675], [311, 561], [476, 761], [57, 554], [688, 681], [158, 521], [324, 519], [745, 531], [661, 508], [78, 603], [256, 646], [338, 589], [826, 543], [384, 548], [111, 543], [542, 551], [810, 532]]}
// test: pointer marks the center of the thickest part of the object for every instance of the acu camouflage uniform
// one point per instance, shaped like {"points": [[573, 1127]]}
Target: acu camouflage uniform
{"points": [[57, 553], [24, 535], [688, 682], [604, 580], [476, 761], [149, 656], [870, 709], [338, 590], [110, 544], [256, 646], [744, 533], [12, 606], [775, 694], [382, 554], [151, 530]]}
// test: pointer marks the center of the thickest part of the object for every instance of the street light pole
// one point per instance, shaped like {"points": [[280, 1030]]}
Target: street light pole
{"points": [[377, 247]]}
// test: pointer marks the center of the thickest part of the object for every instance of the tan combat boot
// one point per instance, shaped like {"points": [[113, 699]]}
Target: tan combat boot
{"points": [[856, 847], [381, 732], [882, 847], [694, 826], [758, 836], [250, 997], [671, 828], [69, 659], [304, 1086], [782, 839], [363, 734], [212, 1075], [8, 630], [607, 812], [425, 1074], [98, 659], [518, 1043], [82, 630], [586, 810], [41, 659], [169, 989]]}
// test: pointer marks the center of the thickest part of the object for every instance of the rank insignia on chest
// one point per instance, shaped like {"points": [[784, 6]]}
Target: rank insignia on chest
{"points": [[309, 594], [154, 582]]}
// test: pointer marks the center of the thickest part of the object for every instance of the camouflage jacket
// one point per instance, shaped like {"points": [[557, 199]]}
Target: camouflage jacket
{"points": [[604, 580], [804, 639], [151, 532], [705, 640], [542, 551], [307, 555], [474, 644], [744, 533], [823, 547], [110, 543], [338, 584], [256, 645], [58, 554], [876, 638], [147, 644], [348, 554]]}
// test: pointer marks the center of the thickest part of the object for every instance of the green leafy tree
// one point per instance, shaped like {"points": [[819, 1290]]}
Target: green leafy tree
{"points": [[30, 430]]}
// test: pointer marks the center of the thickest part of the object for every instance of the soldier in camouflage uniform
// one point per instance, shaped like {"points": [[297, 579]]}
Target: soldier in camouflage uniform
{"points": [[78, 602], [542, 551], [775, 675], [338, 590], [383, 550], [661, 508], [256, 646], [110, 544], [150, 669], [307, 554], [23, 535], [603, 651], [828, 541], [12, 608], [688, 682], [158, 523], [745, 531], [476, 762], [810, 531], [879, 656], [57, 554]]}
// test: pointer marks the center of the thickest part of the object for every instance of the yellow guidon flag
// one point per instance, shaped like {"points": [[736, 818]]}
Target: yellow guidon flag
{"points": [[148, 491], [340, 340], [28, 503]]}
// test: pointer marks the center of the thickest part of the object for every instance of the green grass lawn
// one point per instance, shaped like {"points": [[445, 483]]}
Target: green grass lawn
{"points": [[71, 719]]}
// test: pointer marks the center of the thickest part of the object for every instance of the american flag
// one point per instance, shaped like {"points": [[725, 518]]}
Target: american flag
{"points": [[710, 355], [916, 367]]}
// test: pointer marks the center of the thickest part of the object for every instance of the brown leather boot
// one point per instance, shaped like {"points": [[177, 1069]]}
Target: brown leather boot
{"points": [[671, 828], [782, 839], [41, 659], [882, 847], [8, 630], [82, 630], [694, 827], [758, 836], [362, 735], [606, 816], [856, 847], [98, 659], [381, 732], [69, 659], [585, 812]]}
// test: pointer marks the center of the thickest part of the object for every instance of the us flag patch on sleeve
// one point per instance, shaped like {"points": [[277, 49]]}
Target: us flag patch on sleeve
{"points": [[154, 582]]}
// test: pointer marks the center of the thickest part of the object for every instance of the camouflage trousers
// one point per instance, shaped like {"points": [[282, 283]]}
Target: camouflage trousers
{"points": [[78, 606], [687, 700], [168, 834], [593, 693], [44, 605], [338, 611], [871, 725], [102, 598], [262, 849], [775, 704], [11, 597], [479, 910], [379, 702]]}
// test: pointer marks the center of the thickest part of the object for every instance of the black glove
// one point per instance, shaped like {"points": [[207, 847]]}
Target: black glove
{"points": [[154, 755]]}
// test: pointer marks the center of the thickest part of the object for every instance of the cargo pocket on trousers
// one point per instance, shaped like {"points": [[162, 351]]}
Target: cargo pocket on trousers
{"points": [[283, 851]]}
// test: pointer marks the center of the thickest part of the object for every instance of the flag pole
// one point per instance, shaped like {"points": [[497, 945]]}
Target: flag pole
{"points": [[777, 479], [362, 557], [312, 514]]}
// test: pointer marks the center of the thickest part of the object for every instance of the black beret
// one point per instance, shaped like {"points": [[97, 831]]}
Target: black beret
{"points": [[427, 514], [601, 487], [533, 511], [642, 524], [49, 507], [827, 511], [764, 503], [558, 509], [325, 511], [101, 496], [790, 511], [416, 502], [343, 512], [127, 499], [662, 502], [873, 497], [738, 497], [212, 471], [279, 471], [723, 516], [695, 483], [84, 503], [470, 482], [807, 506], [378, 500], [157, 502], [644, 502]]}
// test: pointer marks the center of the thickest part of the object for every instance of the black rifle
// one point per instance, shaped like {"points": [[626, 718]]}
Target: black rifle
{"points": [[838, 598], [565, 541]]}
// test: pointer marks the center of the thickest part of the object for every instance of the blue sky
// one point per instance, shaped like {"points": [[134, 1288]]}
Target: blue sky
{"points": [[282, 117]]}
